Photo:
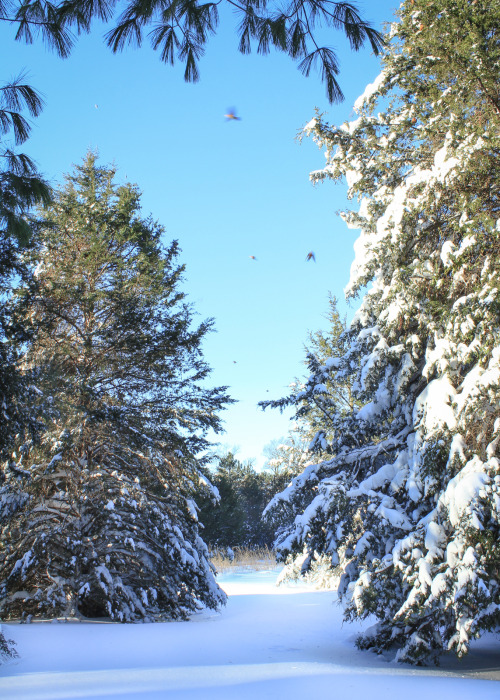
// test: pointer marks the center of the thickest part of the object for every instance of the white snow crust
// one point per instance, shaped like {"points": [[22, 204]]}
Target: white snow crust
{"points": [[285, 643]]}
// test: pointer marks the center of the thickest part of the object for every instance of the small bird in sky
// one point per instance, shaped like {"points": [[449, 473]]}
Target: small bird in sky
{"points": [[231, 115], [311, 256], [252, 257], [96, 106]]}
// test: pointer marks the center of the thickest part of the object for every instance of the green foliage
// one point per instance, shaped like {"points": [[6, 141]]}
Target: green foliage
{"points": [[96, 514], [236, 517], [21, 187], [7, 648], [321, 406], [406, 506], [223, 521], [319, 402], [180, 30]]}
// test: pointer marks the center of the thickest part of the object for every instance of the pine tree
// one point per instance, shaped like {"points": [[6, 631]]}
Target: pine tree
{"points": [[253, 491], [286, 458], [223, 521], [180, 31], [318, 401], [235, 519], [21, 187], [97, 516], [407, 508], [321, 410]]}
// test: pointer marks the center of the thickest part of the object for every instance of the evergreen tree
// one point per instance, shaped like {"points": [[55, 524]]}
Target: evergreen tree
{"points": [[254, 495], [286, 458], [97, 516], [21, 187], [407, 508], [181, 30], [235, 518], [319, 393], [223, 520], [319, 401], [321, 409]]}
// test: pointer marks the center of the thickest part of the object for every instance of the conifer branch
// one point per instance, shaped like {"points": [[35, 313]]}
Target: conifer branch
{"points": [[291, 30]]}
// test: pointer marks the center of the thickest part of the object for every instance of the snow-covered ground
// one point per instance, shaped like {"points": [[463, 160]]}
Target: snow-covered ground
{"points": [[282, 643]]}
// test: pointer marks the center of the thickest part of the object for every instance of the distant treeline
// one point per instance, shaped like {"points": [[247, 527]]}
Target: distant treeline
{"points": [[235, 520]]}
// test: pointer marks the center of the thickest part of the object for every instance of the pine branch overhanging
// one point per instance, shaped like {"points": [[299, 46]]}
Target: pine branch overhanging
{"points": [[180, 29]]}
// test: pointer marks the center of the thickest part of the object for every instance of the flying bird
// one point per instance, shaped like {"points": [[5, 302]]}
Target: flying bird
{"points": [[252, 257], [96, 106], [311, 256], [231, 115]]}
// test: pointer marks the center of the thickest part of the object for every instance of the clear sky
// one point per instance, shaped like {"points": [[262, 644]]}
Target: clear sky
{"points": [[225, 190]]}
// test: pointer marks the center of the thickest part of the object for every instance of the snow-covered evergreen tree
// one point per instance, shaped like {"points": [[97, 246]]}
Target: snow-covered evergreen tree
{"points": [[96, 515], [318, 401], [408, 507], [321, 402], [287, 457]]}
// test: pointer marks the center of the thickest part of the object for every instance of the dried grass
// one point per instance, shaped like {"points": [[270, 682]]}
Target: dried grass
{"points": [[256, 559]]}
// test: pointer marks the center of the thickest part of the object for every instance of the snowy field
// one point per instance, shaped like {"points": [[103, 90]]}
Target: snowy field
{"points": [[282, 643]]}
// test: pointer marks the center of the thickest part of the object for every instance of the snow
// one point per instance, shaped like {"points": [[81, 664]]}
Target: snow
{"points": [[282, 643], [384, 475], [310, 125], [442, 164], [369, 91], [447, 253], [192, 509], [464, 489], [422, 359], [396, 518], [213, 489], [432, 406], [332, 362]]}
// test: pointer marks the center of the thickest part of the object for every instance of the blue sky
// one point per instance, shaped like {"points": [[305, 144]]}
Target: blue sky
{"points": [[225, 190]]}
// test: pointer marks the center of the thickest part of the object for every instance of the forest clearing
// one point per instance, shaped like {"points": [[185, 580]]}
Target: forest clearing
{"points": [[284, 643], [120, 502]]}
